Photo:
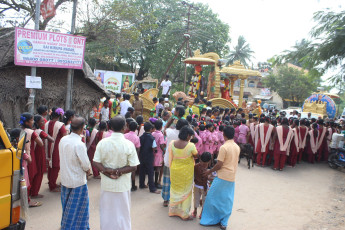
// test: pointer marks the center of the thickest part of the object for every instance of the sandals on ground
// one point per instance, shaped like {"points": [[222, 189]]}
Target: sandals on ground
{"points": [[33, 204], [166, 203]]}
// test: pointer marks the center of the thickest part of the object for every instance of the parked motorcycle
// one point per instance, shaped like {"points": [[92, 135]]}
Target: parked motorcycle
{"points": [[337, 158]]}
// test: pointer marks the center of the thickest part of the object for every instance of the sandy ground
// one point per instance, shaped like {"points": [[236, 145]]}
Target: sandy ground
{"points": [[307, 197]]}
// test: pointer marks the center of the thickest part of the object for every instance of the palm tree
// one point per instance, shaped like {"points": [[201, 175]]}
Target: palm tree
{"points": [[241, 52]]}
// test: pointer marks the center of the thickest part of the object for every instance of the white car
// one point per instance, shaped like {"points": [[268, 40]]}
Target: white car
{"points": [[313, 115]]}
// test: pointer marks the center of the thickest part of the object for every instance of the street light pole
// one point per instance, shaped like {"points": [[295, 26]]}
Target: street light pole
{"points": [[187, 37], [31, 99], [70, 73]]}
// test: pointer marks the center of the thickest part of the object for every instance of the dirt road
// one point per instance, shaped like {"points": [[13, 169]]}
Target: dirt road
{"points": [[307, 197]]}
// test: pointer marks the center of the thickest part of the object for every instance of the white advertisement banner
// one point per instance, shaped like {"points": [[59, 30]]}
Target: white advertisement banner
{"points": [[115, 82]]}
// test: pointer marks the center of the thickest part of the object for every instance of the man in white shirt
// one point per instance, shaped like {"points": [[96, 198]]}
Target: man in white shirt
{"points": [[171, 135], [166, 85], [74, 168], [116, 158], [104, 115], [125, 105]]}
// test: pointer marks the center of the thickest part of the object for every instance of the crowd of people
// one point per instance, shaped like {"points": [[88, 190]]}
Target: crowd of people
{"points": [[188, 151]]}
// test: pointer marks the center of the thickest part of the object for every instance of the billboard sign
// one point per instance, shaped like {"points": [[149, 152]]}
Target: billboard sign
{"points": [[115, 82], [47, 49]]}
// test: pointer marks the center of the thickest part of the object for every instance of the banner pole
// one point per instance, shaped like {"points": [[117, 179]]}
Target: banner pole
{"points": [[70, 73], [31, 99]]}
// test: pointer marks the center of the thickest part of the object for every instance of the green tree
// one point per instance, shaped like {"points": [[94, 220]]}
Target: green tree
{"points": [[292, 85], [242, 52], [153, 32], [326, 50], [17, 12]]}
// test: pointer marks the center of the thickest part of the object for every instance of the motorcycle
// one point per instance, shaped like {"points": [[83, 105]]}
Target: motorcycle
{"points": [[337, 158]]}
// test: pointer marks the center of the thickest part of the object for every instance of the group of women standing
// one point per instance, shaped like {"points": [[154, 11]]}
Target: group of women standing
{"points": [[182, 156], [41, 148]]}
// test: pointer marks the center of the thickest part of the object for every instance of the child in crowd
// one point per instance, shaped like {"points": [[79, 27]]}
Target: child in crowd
{"points": [[208, 138], [147, 147], [202, 135], [133, 137], [199, 144], [158, 155], [243, 132], [221, 140], [200, 181], [140, 122], [214, 144], [237, 131]]}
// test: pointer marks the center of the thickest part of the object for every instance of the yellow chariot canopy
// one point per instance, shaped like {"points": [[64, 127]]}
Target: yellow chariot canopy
{"points": [[199, 61], [202, 59], [238, 69]]}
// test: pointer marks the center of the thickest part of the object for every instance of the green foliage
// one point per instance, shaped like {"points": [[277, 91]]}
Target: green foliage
{"points": [[291, 84], [241, 52], [149, 35], [325, 51]]}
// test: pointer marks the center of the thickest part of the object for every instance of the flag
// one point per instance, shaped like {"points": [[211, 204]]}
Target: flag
{"points": [[47, 9]]}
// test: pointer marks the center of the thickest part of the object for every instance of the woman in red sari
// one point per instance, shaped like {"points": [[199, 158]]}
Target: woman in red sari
{"points": [[265, 131], [29, 163], [40, 157], [323, 145], [95, 137], [281, 148], [303, 133], [56, 130], [313, 137], [294, 147]]}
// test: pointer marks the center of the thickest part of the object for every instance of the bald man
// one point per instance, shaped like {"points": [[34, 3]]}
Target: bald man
{"points": [[74, 168], [116, 158]]}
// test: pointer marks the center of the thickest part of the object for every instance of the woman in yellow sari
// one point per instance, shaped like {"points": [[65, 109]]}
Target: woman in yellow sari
{"points": [[181, 161]]}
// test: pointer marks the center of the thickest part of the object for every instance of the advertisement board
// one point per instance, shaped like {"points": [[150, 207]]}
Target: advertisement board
{"points": [[47, 49], [265, 92], [113, 81]]}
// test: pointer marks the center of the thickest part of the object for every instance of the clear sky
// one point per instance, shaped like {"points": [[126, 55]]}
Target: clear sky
{"points": [[269, 26]]}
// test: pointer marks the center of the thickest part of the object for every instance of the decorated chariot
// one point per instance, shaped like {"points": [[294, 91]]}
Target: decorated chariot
{"points": [[220, 83]]}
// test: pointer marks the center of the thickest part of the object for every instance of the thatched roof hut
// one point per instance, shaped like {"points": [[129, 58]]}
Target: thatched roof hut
{"points": [[13, 95]]}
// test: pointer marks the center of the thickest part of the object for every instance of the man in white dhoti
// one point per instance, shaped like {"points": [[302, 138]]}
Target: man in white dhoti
{"points": [[115, 158]]}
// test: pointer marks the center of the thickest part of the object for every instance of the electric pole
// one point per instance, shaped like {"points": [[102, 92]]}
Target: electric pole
{"points": [[70, 73], [187, 37], [186, 41], [32, 92]]}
